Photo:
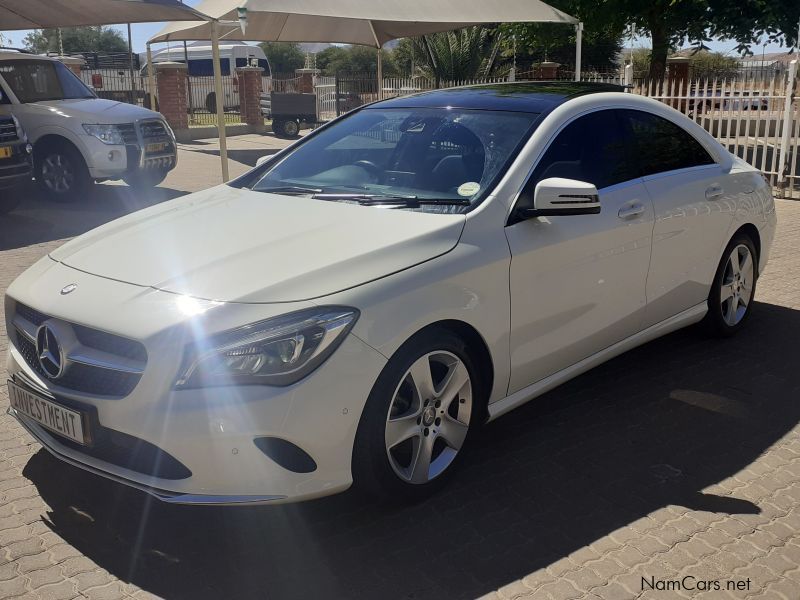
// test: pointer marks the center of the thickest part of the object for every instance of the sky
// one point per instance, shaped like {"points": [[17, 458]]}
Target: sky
{"points": [[141, 32]]}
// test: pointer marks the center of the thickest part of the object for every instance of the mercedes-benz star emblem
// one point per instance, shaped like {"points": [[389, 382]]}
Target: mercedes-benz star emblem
{"points": [[49, 352], [68, 289]]}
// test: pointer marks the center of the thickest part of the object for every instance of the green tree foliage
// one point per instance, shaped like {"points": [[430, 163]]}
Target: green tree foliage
{"points": [[670, 23], [453, 55], [284, 57], [338, 59], [600, 46], [713, 64], [77, 39]]}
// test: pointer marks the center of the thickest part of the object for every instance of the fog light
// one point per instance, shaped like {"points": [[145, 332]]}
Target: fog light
{"points": [[111, 155], [28, 148]]}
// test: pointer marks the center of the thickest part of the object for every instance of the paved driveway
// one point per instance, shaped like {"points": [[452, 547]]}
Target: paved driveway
{"points": [[681, 458]]}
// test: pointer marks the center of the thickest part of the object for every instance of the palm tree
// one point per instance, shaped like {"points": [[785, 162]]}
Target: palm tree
{"points": [[456, 55]]}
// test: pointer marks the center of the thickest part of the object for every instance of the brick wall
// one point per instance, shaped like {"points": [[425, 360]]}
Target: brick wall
{"points": [[172, 94]]}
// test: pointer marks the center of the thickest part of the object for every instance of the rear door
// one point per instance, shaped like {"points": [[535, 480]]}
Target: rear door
{"points": [[693, 213], [578, 282]]}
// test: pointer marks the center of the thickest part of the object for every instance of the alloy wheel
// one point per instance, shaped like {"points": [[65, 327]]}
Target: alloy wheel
{"points": [[429, 417], [737, 285], [58, 173]]}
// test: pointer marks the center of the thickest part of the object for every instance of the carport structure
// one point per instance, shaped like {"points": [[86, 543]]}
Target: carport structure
{"points": [[363, 22]]}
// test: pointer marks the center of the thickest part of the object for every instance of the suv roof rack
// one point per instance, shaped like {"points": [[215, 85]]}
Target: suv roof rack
{"points": [[13, 49]]}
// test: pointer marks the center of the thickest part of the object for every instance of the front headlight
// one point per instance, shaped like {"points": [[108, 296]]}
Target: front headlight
{"points": [[108, 134], [279, 351], [20, 131]]}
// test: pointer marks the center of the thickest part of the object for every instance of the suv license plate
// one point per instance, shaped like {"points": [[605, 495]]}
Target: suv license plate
{"points": [[5, 152], [156, 147], [49, 414]]}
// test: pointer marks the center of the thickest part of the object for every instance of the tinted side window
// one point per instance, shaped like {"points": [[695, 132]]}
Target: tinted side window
{"points": [[591, 149], [663, 146]]}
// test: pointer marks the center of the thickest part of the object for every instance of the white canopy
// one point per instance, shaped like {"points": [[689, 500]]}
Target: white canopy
{"points": [[364, 22], [47, 14]]}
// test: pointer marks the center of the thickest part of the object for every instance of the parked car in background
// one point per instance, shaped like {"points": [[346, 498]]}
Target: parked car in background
{"points": [[706, 100], [78, 138], [16, 163], [351, 309]]}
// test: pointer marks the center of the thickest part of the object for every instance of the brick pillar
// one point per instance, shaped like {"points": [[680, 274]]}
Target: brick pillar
{"points": [[678, 79], [249, 80], [172, 95], [548, 70], [306, 84]]}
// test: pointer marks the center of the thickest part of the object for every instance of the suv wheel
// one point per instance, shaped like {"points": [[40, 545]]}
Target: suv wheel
{"points": [[61, 172]]}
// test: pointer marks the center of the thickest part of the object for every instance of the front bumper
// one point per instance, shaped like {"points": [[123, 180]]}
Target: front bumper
{"points": [[209, 431], [17, 169]]}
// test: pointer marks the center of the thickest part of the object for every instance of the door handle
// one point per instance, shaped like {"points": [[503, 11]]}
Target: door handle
{"points": [[713, 192], [630, 211]]}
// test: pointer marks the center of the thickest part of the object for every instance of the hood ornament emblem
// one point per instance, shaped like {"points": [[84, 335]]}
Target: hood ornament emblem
{"points": [[68, 289]]}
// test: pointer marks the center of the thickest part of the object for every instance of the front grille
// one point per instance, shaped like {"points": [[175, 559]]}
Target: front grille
{"points": [[80, 377], [153, 129], [128, 131], [8, 131]]}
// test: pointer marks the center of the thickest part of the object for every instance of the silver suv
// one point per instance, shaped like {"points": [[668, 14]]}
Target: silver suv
{"points": [[78, 138]]}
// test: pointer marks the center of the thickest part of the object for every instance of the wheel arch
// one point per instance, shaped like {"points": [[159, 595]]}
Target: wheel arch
{"points": [[478, 350], [55, 139], [752, 232]]}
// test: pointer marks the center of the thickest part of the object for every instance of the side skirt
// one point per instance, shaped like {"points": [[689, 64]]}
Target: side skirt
{"points": [[683, 319]]}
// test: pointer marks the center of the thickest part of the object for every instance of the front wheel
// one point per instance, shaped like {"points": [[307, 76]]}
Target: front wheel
{"points": [[731, 298], [418, 418], [61, 172]]}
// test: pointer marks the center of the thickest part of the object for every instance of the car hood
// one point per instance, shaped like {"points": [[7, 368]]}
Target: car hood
{"points": [[94, 110], [237, 245]]}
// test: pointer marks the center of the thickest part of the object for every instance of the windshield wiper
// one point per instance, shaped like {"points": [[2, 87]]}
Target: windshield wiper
{"points": [[392, 200], [290, 189]]}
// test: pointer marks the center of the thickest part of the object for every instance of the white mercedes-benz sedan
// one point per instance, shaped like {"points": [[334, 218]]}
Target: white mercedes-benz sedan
{"points": [[352, 308]]}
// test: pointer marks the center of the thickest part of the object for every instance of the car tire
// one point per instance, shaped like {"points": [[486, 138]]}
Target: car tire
{"points": [[730, 301], [61, 173], [412, 434], [145, 180]]}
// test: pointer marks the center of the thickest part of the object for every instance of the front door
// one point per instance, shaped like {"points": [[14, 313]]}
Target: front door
{"points": [[578, 282]]}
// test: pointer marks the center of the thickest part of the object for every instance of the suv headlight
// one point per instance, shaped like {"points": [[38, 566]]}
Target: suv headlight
{"points": [[108, 134], [278, 351], [20, 131]]}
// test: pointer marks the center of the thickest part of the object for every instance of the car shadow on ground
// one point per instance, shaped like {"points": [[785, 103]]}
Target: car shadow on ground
{"points": [[651, 428], [37, 219]]}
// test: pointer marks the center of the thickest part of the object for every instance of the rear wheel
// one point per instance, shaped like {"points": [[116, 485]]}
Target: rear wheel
{"points": [[61, 172], [731, 298], [286, 128], [418, 418]]}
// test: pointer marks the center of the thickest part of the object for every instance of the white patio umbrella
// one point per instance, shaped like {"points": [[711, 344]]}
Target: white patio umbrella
{"points": [[364, 22], [50, 14]]}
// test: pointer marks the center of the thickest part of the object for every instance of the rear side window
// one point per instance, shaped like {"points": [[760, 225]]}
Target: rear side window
{"points": [[591, 149], [662, 146]]}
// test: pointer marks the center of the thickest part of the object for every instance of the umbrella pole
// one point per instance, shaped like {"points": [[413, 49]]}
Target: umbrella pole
{"points": [[380, 74], [151, 80], [223, 142], [578, 41]]}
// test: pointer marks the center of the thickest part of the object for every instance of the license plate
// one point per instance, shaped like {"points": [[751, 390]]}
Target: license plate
{"points": [[49, 414], [5, 152], [156, 147]]}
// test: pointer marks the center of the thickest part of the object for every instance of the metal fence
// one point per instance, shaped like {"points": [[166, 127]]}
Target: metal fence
{"points": [[757, 119]]}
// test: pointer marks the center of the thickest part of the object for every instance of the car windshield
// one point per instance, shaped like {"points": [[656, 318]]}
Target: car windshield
{"points": [[406, 156], [37, 80]]}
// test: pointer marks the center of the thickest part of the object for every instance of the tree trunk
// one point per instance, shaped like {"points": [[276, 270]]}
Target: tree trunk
{"points": [[658, 56]]}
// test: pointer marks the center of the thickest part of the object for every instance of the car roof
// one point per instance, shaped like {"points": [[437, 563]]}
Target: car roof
{"points": [[529, 96]]}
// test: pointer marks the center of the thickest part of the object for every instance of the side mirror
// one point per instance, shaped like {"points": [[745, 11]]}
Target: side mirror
{"points": [[262, 159], [557, 196]]}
